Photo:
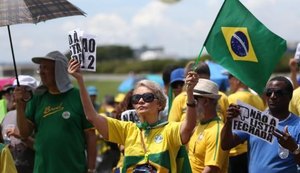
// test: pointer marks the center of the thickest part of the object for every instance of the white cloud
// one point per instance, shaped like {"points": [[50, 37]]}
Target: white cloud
{"points": [[180, 27], [26, 43]]}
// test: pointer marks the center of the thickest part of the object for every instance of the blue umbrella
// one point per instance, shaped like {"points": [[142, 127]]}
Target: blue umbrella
{"points": [[129, 83], [217, 75]]}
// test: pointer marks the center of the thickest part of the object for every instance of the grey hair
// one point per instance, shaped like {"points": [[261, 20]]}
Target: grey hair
{"points": [[156, 89]]}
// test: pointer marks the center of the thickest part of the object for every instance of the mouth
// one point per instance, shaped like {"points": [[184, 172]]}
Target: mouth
{"points": [[272, 104]]}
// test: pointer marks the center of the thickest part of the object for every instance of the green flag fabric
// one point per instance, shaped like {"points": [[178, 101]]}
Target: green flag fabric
{"points": [[243, 45], [3, 109]]}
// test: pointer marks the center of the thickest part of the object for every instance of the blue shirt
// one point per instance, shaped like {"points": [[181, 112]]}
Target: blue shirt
{"points": [[264, 157]]}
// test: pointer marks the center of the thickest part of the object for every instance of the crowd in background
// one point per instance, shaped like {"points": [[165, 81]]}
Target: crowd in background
{"points": [[51, 126]]}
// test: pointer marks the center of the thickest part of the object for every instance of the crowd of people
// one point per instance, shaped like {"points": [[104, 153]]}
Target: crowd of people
{"points": [[50, 126]]}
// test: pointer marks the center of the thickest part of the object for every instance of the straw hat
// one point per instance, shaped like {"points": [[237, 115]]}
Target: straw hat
{"points": [[206, 88]]}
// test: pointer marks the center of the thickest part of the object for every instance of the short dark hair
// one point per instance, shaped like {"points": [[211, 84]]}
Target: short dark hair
{"points": [[202, 69], [166, 74], [288, 84]]}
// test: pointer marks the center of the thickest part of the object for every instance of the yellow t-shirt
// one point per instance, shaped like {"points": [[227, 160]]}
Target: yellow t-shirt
{"points": [[161, 144], [178, 110], [251, 99], [7, 162], [205, 147], [294, 106]]}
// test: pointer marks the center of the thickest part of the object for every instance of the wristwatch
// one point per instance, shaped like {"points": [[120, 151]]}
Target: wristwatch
{"points": [[297, 151]]}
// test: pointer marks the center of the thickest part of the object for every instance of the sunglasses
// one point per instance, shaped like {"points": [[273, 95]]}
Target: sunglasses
{"points": [[277, 92], [147, 97], [198, 97]]}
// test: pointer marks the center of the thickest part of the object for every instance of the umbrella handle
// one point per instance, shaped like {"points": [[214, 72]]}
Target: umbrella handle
{"points": [[13, 55]]}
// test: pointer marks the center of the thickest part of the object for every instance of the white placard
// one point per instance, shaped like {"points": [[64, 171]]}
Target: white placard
{"points": [[255, 122], [297, 53], [83, 49]]}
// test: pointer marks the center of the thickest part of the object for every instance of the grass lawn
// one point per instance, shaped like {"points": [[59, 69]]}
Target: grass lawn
{"points": [[104, 87]]}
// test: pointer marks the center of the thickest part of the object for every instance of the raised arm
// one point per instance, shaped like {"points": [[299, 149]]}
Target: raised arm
{"points": [[294, 70], [229, 139], [25, 126], [189, 123], [100, 122]]}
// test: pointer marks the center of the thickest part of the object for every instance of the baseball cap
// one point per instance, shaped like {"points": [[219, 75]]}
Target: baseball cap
{"points": [[92, 90], [206, 88], [177, 75], [50, 56], [26, 80]]}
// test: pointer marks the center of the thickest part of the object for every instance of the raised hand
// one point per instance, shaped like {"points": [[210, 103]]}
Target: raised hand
{"points": [[74, 68], [285, 139], [233, 111], [191, 80]]}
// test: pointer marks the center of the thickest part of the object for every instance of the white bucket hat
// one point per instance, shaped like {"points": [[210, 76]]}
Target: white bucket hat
{"points": [[206, 88]]}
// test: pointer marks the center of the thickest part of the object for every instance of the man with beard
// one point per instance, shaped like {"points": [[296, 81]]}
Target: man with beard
{"points": [[283, 154], [205, 152]]}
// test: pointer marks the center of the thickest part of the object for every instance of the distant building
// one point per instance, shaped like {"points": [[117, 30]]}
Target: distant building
{"points": [[145, 53], [7, 69]]}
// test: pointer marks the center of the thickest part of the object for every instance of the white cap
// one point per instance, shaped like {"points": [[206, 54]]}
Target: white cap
{"points": [[26, 80]]}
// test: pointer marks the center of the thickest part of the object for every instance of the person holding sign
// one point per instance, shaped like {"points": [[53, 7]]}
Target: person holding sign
{"points": [[239, 91], [64, 140], [205, 152], [151, 145], [283, 154]]}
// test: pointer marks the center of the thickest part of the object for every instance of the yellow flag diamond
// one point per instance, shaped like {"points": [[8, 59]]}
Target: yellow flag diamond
{"points": [[239, 43]]}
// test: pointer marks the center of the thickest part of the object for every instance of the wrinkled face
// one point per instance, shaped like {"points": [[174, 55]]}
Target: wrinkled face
{"points": [[47, 72], [200, 106], [145, 102], [276, 95]]}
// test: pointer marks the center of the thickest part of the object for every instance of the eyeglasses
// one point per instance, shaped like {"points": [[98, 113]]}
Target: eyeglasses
{"points": [[196, 97], [277, 92], [147, 97], [177, 84]]}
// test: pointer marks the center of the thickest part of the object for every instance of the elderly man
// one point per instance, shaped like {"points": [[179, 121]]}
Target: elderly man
{"points": [[56, 116], [205, 152], [283, 154]]}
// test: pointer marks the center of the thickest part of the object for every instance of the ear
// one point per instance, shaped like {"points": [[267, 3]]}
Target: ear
{"points": [[159, 106]]}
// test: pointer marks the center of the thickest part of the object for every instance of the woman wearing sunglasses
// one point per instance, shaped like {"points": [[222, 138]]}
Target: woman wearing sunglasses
{"points": [[150, 146]]}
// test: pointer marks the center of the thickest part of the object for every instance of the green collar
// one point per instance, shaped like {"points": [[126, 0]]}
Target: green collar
{"points": [[147, 127], [216, 118]]}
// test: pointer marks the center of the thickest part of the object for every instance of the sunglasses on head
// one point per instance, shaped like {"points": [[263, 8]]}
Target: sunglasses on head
{"points": [[277, 92], [147, 97]]}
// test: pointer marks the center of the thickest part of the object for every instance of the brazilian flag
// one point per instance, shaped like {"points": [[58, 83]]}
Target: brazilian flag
{"points": [[243, 45]]}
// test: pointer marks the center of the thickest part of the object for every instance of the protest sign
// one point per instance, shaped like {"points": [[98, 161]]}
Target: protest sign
{"points": [[83, 49], [255, 122], [297, 54]]}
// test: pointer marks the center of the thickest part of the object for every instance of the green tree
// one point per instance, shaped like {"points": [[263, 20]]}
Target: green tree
{"points": [[114, 52]]}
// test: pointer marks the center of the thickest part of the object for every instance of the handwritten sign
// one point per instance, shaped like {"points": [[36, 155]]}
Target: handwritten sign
{"points": [[83, 49], [255, 122]]}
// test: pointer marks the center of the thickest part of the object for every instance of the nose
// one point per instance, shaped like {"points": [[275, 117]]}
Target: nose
{"points": [[273, 95]]}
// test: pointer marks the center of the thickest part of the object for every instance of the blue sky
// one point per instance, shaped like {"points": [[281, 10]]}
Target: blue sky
{"points": [[180, 28]]}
